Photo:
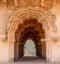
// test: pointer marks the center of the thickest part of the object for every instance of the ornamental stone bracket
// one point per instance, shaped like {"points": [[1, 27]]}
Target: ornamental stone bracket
{"points": [[55, 38]]}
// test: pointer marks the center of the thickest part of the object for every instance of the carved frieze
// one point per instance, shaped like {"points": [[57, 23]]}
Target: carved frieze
{"points": [[12, 4]]}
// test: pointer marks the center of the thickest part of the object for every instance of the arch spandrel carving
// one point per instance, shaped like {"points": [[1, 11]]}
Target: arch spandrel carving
{"points": [[43, 15]]}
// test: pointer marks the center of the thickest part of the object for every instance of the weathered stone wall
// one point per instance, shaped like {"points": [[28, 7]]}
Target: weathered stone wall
{"points": [[54, 46]]}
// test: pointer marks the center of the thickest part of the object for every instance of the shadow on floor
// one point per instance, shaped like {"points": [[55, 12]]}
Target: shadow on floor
{"points": [[30, 59]]}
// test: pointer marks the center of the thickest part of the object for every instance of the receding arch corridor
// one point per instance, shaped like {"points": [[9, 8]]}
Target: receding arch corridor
{"points": [[30, 23], [23, 20], [30, 30]]}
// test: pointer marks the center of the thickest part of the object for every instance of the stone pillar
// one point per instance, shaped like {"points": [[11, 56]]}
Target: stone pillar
{"points": [[42, 2], [21, 50], [16, 3]]}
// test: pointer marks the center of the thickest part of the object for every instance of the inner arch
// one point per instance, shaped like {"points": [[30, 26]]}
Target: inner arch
{"points": [[30, 29]]}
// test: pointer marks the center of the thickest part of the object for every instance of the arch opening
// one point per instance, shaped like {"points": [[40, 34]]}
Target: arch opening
{"points": [[31, 30], [17, 27]]}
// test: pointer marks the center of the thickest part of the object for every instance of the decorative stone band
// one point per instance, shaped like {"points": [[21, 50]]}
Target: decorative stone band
{"points": [[19, 3]]}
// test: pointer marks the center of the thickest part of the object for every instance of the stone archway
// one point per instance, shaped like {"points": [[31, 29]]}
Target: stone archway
{"points": [[30, 29], [43, 16]]}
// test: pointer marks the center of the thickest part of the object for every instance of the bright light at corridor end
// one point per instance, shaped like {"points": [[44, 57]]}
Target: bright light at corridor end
{"points": [[29, 49]]}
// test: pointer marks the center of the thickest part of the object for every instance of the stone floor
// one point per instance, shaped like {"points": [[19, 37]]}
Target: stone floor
{"points": [[30, 60], [30, 63]]}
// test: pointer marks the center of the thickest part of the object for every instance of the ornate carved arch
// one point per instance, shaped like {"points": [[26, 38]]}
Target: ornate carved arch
{"points": [[43, 16]]}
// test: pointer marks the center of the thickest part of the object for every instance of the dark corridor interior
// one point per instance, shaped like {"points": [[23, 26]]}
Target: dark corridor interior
{"points": [[30, 29]]}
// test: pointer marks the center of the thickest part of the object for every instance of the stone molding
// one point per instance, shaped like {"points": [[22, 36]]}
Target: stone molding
{"points": [[42, 14]]}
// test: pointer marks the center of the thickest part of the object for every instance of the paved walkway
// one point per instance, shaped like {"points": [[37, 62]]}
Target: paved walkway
{"points": [[30, 60], [30, 63]]}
